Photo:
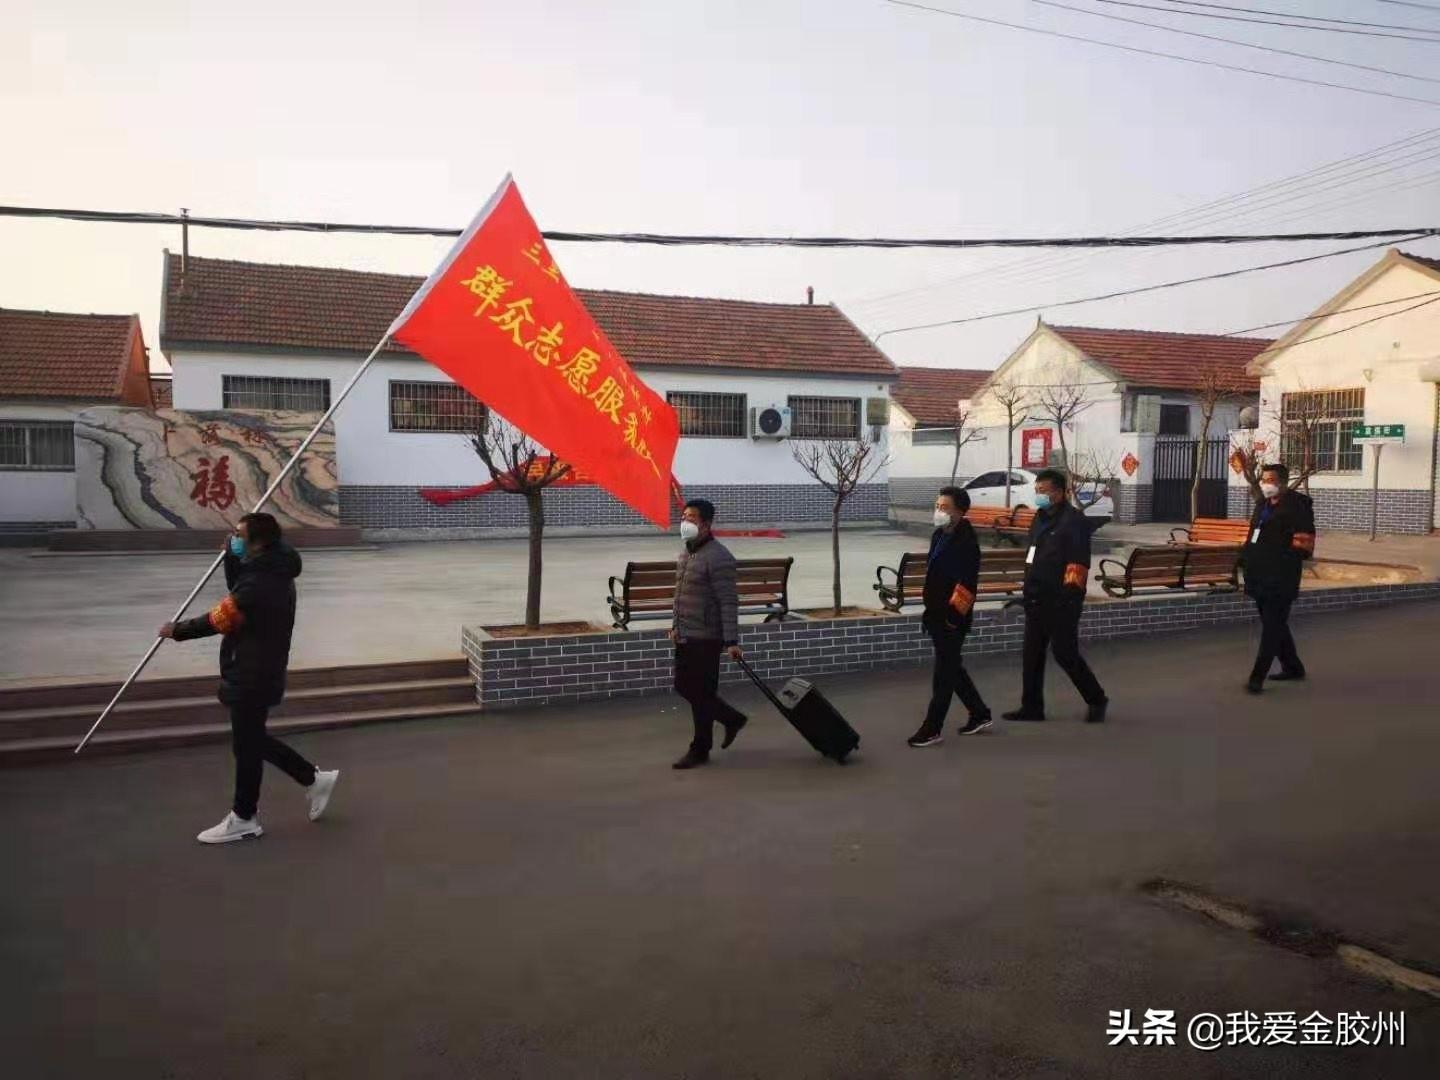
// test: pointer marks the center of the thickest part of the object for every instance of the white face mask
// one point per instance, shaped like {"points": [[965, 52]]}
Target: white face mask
{"points": [[689, 530], [1269, 490], [942, 519]]}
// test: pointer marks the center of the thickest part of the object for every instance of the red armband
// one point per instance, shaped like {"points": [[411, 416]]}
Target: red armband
{"points": [[226, 616], [1075, 575], [1303, 543], [962, 599]]}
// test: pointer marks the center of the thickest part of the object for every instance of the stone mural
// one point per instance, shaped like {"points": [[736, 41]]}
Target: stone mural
{"points": [[166, 469]]}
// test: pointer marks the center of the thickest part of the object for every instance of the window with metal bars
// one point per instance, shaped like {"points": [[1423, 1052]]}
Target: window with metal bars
{"points": [[1318, 430], [709, 416], [271, 393], [434, 407], [824, 418], [37, 446], [940, 436]]}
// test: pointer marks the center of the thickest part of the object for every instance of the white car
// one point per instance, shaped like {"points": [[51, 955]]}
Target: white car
{"points": [[988, 489]]}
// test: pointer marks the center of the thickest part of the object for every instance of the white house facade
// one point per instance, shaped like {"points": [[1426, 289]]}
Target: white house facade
{"points": [[1370, 355], [52, 366], [294, 338], [1136, 415]]}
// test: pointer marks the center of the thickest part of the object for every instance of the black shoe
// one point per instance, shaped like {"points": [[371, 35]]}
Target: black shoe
{"points": [[1255, 686], [976, 725], [926, 736], [732, 730], [1288, 676], [1096, 715], [692, 760], [1021, 714]]}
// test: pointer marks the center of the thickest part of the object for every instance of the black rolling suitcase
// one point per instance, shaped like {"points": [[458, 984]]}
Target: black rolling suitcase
{"points": [[811, 714]]}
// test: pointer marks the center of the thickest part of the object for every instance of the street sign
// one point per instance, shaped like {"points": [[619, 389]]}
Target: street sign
{"points": [[1378, 434]]}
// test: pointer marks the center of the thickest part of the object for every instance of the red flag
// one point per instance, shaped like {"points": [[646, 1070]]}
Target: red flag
{"points": [[498, 318], [446, 496]]}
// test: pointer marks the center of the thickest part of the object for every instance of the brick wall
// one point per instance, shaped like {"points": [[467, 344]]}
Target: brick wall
{"points": [[528, 672], [919, 492], [397, 507], [1401, 510], [1134, 503]]}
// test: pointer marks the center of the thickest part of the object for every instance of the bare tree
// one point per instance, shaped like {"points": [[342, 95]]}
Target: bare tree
{"points": [[1216, 387], [518, 467], [1060, 403], [964, 435], [1015, 400], [1094, 471], [1300, 420], [840, 466], [1249, 453]]}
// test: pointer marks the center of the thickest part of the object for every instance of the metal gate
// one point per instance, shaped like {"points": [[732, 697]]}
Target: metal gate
{"points": [[1175, 473]]}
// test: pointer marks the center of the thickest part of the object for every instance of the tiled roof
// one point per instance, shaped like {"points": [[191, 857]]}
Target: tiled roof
{"points": [[1433, 264], [162, 391], [244, 304], [1166, 361], [53, 354], [931, 395]]}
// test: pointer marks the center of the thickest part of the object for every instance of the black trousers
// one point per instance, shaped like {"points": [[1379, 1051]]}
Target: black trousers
{"points": [[1052, 624], [950, 679], [697, 680], [253, 747], [1275, 638]]}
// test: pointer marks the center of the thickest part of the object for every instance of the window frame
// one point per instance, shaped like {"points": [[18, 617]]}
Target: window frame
{"points": [[272, 381], [29, 428], [468, 428], [1332, 426], [743, 413], [1174, 407], [933, 436], [825, 400]]}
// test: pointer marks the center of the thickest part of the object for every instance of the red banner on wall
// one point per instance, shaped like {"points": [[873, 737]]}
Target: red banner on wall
{"points": [[499, 319]]}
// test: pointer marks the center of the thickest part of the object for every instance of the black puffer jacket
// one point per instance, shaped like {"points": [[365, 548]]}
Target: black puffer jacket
{"points": [[1282, 536], [256, 618]]}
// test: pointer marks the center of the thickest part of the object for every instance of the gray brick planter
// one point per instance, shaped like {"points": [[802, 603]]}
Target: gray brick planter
{"points": [[527, 672]]}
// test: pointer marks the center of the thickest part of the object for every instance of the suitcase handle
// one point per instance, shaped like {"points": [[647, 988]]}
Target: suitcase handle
{"points": [[764, 688]]}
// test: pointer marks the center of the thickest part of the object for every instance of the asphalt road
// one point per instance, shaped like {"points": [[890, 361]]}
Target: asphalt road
{"points": [[539, 895]]}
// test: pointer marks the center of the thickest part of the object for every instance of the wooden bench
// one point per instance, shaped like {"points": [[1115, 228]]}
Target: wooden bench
{"points": [[1172, 568], [1002, 574], [1012, 524], [647, 591], [1230, 532]]}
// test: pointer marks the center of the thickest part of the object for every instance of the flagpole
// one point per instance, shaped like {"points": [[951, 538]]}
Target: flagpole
{"points": [[265, 498]]}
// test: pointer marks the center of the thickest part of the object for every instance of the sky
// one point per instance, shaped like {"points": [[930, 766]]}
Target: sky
{"points": [[796, 117]]}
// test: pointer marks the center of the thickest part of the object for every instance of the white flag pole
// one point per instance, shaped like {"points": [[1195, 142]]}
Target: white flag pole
{"points": [[265, 498]]}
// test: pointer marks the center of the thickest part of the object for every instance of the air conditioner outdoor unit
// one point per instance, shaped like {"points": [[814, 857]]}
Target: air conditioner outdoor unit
{"points": [[770, 422]]}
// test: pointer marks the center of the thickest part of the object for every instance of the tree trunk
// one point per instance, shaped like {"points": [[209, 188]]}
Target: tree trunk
{"points": [[536, 504], [1072, 496], [1009, 462], [955, 466], [835, 549], [1199, 466]]}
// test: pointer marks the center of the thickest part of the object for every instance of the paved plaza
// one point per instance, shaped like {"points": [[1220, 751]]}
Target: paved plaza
{"points": [[539, 895]]}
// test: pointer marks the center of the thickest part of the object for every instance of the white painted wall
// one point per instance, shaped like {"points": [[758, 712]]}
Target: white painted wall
{"points": [[929, 461], [369, 453], [37, 496], [1393, 351]]}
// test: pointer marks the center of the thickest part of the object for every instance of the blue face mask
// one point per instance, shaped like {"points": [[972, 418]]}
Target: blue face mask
{"points": [[1042, 502], [237, 546]]}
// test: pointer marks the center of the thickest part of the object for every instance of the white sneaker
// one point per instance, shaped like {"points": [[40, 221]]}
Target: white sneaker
{"points": [[318, 793], [232, 828]]}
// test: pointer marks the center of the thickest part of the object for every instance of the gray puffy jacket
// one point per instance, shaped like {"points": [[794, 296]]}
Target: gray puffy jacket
{"points": [[706, 603]]}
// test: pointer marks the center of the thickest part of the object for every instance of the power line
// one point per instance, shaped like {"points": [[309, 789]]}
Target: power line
{"points": [[678, 240], [1230, 202], [1162, 55], [1235, 41], [1146, 288], [1412, 4], [1326, 315], [1289, 15], [1357, 326]]}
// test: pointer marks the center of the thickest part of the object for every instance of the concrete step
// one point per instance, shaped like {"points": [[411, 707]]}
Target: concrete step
{"points": [[56, 695], [75, 719], [60, 748]]}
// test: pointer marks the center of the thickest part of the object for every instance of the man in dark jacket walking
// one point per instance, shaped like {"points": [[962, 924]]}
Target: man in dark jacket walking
{"points": [[257, 618], [707, 623], [1057, 567], [1282, 536], [952, 574]]}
